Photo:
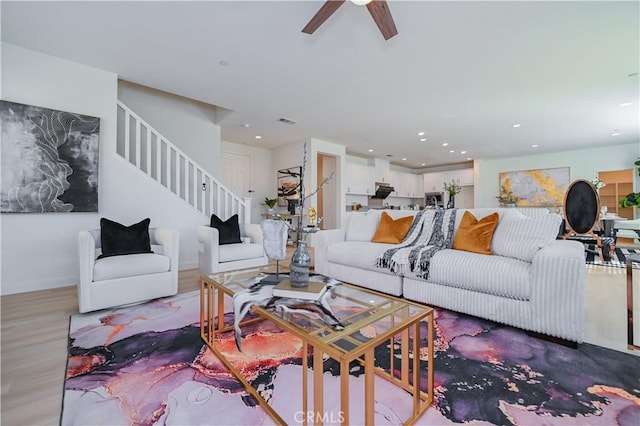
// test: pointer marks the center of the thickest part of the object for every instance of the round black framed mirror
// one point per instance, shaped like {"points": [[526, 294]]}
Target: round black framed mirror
{"points": [[581, 206]]}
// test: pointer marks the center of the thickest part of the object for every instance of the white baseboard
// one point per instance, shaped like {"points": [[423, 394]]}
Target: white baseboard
{"points": [[37, 285], [191, 264]]}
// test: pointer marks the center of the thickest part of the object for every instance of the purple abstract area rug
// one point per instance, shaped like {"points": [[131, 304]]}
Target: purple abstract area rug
{"points": [[146, 365]]}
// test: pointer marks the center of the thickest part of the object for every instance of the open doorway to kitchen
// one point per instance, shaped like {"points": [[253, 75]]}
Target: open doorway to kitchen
{"points": [[328, 194]]}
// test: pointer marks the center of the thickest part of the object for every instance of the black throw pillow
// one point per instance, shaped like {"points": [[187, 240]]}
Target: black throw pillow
{"points": [[229, 230], [118, 239]]}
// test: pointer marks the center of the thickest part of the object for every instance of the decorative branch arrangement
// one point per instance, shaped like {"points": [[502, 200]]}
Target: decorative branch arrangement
{"points": [[300, 187], [452, 188]]}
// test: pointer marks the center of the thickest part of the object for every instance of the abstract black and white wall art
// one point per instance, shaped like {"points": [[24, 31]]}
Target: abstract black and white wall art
{"points": [[49, 160]]}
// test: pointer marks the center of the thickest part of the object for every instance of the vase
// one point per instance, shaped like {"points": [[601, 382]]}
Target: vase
{"points": [[451, 204], [301, 259], [300, 263]]}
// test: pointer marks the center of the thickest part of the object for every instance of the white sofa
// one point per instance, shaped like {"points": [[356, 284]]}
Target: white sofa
{"points": [[213, 257], [532, 281], [120, 280]]}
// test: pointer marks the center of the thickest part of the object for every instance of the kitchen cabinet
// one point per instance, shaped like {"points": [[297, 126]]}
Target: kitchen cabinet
{"points": [[430, 182], [419, 182], [406, 185], [462, 177], [396, 179], [359, 179], [434, 182], [381, 171]]}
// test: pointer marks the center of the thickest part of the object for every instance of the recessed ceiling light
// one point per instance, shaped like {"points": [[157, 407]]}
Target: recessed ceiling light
{"points": [[423, 164], [451, 151], [224, 63], [515, 126], [420, 133], [404, 159], [469, 158], [246, 125], [423, 139], [463, 152], [534, 146], [258, 137], [615, 133], [445, 144], [624, 104], [370, 150]]}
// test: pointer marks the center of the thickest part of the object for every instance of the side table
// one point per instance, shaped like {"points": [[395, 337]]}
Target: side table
{"points": [[630, 259]]}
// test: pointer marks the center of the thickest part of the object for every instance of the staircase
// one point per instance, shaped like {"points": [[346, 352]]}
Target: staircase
{"points": [[152, 154]]}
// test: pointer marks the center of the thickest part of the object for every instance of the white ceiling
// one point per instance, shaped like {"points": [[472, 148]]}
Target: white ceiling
{"points": [[462, 72]]}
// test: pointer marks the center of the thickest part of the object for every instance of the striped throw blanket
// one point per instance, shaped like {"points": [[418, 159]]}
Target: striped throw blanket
{"points": [[432, 230]]}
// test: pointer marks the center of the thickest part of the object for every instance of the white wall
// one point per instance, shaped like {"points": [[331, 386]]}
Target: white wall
{"points": [[188, 124], [263, 176], [292, 156], [39, 250], [584, 164], [334, 150]]}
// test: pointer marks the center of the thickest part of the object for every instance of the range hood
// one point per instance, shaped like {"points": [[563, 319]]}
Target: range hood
{"points": [[383, 189]]}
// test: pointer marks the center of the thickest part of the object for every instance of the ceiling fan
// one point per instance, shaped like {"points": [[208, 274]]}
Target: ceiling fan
{"points": [[378, 9]]}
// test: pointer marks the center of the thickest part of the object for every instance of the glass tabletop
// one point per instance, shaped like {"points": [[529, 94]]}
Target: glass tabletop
{"points": [[364, 316]]}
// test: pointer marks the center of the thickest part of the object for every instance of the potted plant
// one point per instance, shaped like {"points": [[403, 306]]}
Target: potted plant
{"points": [[631, 200], [452, 188], [597, 183], [270, 203], [507, 198]]}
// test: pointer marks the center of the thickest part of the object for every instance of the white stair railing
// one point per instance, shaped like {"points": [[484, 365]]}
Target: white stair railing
{"points": [[151, 153]]}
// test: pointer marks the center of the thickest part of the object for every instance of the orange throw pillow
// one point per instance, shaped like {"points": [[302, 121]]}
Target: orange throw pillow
{"points": [[392, 231], [475, 235]]}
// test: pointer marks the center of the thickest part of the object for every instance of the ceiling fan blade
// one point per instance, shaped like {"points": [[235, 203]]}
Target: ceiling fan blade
{"points": [[322, 15], [381, 14]]}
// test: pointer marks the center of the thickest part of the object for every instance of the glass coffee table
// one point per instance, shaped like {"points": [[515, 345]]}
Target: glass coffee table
{"points": [[370, 320]]}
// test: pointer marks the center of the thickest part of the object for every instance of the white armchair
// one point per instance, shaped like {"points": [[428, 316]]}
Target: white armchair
{"points": [[120, 280], [214, 257]]}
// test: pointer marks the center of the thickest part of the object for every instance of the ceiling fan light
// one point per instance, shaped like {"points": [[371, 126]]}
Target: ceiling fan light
{"points": [[361, 2]]}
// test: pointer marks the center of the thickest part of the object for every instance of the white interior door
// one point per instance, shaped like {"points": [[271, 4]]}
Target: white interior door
{"points": [[236, 173]]}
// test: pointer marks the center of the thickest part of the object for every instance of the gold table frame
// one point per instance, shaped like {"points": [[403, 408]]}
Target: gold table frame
{"points": [[212, 302], [630, 325]]}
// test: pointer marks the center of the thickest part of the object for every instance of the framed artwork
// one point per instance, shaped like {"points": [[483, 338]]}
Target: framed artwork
{"points": [[288, 185], [539, 187], [49, 160]]}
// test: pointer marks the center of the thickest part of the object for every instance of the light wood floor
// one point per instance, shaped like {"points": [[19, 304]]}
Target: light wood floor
{"points": [[33, 343]]}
